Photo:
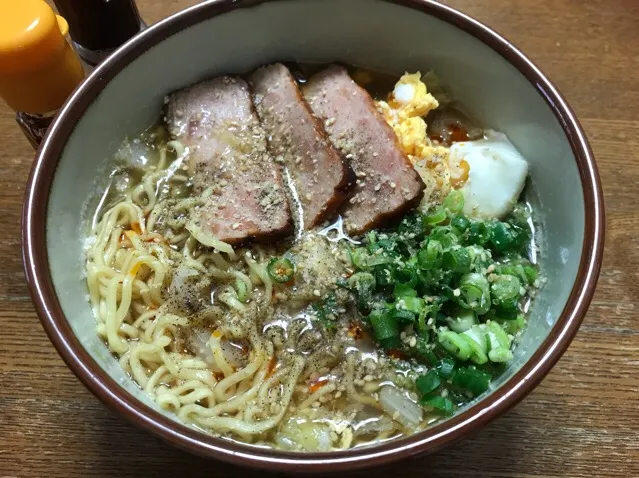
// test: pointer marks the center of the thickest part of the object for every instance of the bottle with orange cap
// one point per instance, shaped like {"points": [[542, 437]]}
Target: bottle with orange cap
{"points": [[38, 67]]}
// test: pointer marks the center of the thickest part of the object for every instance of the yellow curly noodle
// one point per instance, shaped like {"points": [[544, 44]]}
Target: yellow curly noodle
{"points": [[135, 251], [129, 267]]}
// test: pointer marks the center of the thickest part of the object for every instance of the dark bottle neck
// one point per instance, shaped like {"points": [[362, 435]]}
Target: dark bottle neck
{"points": [[97, 25]]}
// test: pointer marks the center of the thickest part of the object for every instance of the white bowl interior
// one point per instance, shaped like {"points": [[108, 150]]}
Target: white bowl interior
{"points": [[369, 33]]}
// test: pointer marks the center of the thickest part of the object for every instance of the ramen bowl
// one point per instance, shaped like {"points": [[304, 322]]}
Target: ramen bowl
{"points": [[494, 81]]}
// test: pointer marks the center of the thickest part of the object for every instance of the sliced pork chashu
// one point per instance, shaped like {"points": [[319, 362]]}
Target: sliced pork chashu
{"points": [[387, 184], [299, 144], [230, 162]]}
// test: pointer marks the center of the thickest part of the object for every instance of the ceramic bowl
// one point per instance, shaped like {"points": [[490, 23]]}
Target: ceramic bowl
{"points": [[494, 81]]}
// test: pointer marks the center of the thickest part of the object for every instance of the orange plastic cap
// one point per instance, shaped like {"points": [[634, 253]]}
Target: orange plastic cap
{"points": [[38, 67], [29, 34]]}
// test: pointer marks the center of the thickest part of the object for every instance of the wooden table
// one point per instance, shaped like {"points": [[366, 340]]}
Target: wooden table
{"points": [[582, 421]]}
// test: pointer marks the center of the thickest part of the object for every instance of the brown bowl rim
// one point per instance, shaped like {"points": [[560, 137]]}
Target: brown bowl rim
{"points": [[41, 288]]}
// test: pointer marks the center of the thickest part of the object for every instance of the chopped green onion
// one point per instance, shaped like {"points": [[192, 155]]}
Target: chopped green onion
{"points": [[460, 223], [378, 260], [422, 326], [531, 273], [427, 312], [479, 233], [428, 383], [480, 257], [499, 343], [445, 368], [361, 280], [442, 404], [471, 379], [371, 237], [405, 289], [455, 344], [359, 257], [326, 312], [476, 339], [462, 320], [500, 355], [502, 236], [445, 235], [241, 289], [383, 275], [505, 290], [280, 270], [430, 257], [431, 273], [515, 325], [436, 217], [391, 343], [403, 316], [454, 202], [516, 270], [364, 284], [385, 328], [405, 275], [425, 351], [413, 304], [411, 224], [474, 293], [457, 260], [387, 245]]}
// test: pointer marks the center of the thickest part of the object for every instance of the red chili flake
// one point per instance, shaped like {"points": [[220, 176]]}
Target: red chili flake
{"points": [[271, 366], [315, 385], [396, 354]]}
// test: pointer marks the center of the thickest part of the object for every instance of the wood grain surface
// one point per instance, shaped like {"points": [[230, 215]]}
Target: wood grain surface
{"points": [[582, 421]]}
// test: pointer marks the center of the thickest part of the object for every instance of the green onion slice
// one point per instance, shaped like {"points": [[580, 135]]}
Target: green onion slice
{"points": [[505, 290], [241, 289], [460, 223], [442, 404], [430, 257], [499, 343], [454, 202], [428, 383], [385, 327], [413, 304], [475, 293], [403, 316], [479, 234], [436, 217], [455, 344], [476, 339], [280, 269], [462, 320], [445, 368], [457, 260], [502, 236], [471, 379]]}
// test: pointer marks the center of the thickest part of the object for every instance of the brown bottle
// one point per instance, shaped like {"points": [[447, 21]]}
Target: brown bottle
{"points": [[98, 27]]}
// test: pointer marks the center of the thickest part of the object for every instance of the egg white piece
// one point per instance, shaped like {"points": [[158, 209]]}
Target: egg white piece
{"points": [[497, 175]]}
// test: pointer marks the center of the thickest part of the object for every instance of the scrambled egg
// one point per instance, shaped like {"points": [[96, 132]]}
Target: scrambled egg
{"points": [[407, 104], [490, 172]]}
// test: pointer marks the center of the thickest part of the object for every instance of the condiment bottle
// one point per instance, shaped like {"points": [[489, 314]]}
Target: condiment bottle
{"points": [[97, 27], [38, 67]]}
